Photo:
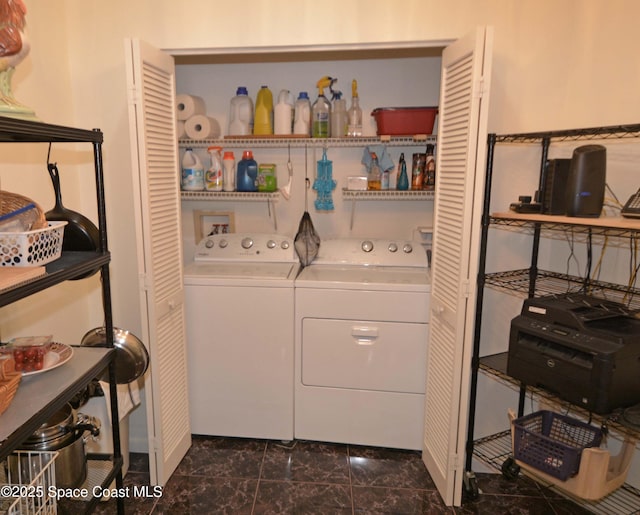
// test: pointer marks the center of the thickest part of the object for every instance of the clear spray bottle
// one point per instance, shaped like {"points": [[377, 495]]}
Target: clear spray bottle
{"points": [[354, 115]]}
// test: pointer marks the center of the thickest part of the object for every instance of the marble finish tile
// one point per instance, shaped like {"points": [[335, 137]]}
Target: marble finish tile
{"points": [[280, 498], [223, 457], [388, 467], [513, 505], [188, 495], [242, 476], [369, 500], [138, 462], [497, 484], [306, 461], [133, 505]]}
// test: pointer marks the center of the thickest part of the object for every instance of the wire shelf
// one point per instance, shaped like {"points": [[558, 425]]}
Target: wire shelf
{"points": [[247, 196], [553, 283], [293, 141], [494, 449], [387, 194], [495, 365], [611, 132]]}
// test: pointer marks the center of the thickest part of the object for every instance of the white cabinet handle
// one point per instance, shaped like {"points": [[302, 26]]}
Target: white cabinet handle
{"points": [[364, 335]]}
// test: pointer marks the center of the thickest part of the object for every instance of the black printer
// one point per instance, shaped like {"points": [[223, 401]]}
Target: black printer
{"points": [[583, 349]]}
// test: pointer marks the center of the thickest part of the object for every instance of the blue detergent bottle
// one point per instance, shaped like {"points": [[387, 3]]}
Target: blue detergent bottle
{"points": [[247, 173]]}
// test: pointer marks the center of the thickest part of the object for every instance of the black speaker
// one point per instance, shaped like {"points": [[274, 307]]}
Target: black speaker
{"points": [[554, 197], [586, 181]]}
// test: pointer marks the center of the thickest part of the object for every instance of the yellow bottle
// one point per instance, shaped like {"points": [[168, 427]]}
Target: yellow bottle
{"points": [[263, 118]]}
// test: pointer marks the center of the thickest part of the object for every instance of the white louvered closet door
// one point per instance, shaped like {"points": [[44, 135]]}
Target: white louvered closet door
{"points": [[462, 133], [154, 147]]}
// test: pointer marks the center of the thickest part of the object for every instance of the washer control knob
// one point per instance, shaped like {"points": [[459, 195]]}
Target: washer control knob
{"points": [[393, 247], [246, 243], [271, 244], [367, 246], [407, 248], [209, 244], [223, 244], [284, 245]]}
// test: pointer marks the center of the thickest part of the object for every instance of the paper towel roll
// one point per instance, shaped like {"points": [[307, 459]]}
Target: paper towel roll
{"points": [[202, 127], [188, 106], [180, 130]]}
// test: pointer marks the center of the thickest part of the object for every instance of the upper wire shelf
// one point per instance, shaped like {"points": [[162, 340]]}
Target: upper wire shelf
{"points": [[604, 226], [293, 141], [609, 132]]}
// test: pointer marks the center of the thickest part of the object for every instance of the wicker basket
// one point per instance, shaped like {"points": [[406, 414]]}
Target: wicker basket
{"points": [[8, 389], [10, 202]]}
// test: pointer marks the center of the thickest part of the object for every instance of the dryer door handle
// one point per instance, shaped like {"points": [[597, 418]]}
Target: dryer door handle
{"points": [[364, 335]]}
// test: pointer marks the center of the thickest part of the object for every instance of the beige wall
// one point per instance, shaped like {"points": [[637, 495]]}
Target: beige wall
{"points": [[557, 64]]}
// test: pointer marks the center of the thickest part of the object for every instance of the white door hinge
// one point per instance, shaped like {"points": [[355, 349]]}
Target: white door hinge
{"points": [[465, 288], [143, 282], [478, 88], [134, 97]]}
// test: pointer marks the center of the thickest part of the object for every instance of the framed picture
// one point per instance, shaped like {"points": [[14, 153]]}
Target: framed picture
{"points": [[212, 222]]}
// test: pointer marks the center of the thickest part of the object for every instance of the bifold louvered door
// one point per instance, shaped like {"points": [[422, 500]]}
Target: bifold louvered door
{"points": [[462, 128], [154, 147]]}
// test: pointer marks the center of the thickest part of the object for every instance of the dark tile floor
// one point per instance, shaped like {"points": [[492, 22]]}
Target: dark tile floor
{"points": [[241, 476]]}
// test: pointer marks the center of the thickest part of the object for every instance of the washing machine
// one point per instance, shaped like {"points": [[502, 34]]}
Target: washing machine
{"points": [[239, 305], [361, 337]]}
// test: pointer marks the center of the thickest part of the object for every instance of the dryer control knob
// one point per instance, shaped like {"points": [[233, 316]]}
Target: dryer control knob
{"points": [[284, 245], [393, 247], [367, 246], [407, 248], [271, 244], [209, 244], [223, 244], [247, 243]]}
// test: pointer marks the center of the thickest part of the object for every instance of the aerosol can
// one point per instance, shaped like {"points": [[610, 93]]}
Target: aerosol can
{"points": [[321, 111]]}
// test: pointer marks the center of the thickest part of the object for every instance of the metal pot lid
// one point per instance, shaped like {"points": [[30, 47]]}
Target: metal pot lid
{"points": [[60, 424], [132, 358]]}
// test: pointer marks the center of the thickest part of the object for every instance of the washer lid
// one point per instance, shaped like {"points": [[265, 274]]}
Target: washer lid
{"points": [[365, 278], [197, 271]]}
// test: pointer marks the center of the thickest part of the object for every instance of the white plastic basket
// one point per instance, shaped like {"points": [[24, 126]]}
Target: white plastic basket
{"points": [[30, 479], [32, 248]]}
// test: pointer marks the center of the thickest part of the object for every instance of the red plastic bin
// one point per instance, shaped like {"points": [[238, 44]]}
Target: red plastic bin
{"points": [[404, 121]]}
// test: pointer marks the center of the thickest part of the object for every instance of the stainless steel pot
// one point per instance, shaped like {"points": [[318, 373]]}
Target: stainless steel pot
{"points": [[65, 433], [132, 358]]}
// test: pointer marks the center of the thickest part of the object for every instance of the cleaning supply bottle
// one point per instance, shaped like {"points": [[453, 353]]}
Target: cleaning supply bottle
{"points": [[263, 118], [192, 176], [321, 111], [338, 116], [354, 115], [429, 181], [247, 173], [374, 177], [229, 171], [283, 113], [403, 180], [302, 120], [384, 181], [241, 113], [213, 177]]}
